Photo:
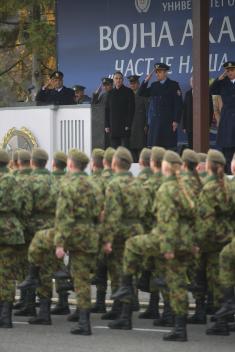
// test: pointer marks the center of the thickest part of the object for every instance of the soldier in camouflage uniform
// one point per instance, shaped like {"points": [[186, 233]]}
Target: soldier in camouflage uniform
{"points": [[227, 273], [123, 209], [24, 306], [151, 185], [41, 185], [78, 209], [59, 164], [144, 162], [101, 276], [13, 204], [175, 208], [214, 228]]}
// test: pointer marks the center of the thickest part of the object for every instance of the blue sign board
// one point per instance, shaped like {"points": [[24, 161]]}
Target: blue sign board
{"points": [[96, 38]]}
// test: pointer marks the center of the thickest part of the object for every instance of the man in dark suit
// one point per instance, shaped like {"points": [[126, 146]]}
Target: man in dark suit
{"points": [[57, 94], [138, 138], [119, 112], [165, 108], [225, 86]]}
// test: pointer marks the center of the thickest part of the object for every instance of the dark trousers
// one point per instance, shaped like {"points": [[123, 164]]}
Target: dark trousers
{"points": [[190, 139], [228, 153], [120, 141]]}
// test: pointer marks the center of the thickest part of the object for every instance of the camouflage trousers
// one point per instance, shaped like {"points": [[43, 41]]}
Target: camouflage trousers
{"points": [[22, 263], [141, 247], [212, 274], [227, 265], [42, 253], [8, 265], [114, 266], [82, 265]]}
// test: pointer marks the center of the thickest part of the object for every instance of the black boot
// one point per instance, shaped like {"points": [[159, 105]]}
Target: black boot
{"points": [[44, 317], [220, 328], [99, 306], [135, 303], [152, 311], [232, 327], [29, 309], [199, 317], [62, 307], [114, 313], [66, 286], [144, 281], [125, 321], [32, 280], [84, 326], [62, 274], [167, 318], [210, 308], [6, 315], [21, 303], [228, 306], [74, 316], [126, 290], [179, 333]]}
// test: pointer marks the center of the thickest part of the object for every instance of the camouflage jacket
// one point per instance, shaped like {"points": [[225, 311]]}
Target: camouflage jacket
{"points": [[44, 196], [78, 208], [214, 212], [175, 211], [150, 188], [98, 179], [145, 173], [124, 207], [13, 205]]}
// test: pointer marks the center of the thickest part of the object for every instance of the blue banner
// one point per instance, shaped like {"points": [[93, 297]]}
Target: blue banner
{"points": [[96, 38]]}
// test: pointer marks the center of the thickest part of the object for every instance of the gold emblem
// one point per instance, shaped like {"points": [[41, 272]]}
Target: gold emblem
{"points": [[18, 139], [230, 64]]}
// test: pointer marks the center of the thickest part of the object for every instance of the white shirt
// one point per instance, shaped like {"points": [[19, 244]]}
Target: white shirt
{"points": [[233, 81]]}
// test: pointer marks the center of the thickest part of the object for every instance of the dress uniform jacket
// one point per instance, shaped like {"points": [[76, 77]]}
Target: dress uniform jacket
{"points": [[165, 108], [226, 128], [65, 96]]}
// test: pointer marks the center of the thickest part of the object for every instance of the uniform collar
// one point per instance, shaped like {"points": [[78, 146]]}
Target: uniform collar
{"points": [[41, 171]]}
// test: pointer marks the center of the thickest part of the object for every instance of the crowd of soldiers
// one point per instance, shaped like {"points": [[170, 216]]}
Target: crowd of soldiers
{"points": [[167, 231]]}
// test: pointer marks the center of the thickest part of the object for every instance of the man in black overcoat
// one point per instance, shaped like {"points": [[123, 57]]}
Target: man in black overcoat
{"points": [[138, 138], [119, 112]]}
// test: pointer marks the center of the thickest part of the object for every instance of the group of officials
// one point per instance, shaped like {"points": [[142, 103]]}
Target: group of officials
{"points": [[167, 231], [139, 116]]}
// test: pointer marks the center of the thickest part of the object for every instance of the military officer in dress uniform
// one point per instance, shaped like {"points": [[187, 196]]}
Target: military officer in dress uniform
{"points": [[225, 86], [165, 108], [138, 137], [100, 95], [80, 96], [57, 94]]}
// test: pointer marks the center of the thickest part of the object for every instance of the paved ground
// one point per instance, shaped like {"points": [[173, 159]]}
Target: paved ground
{"points": [[144, 337]]}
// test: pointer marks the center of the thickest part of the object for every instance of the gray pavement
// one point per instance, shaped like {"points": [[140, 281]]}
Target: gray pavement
{"points": [[144, 337]]}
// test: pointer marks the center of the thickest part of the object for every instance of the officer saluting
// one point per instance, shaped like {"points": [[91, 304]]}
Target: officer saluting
{"points": [[165, 108], [58, 94], [225, 86]]}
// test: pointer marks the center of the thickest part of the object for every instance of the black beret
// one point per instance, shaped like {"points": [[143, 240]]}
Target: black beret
{"points": [[133, 78], [229, 64], [57, 74], [161, 66], [78, 88], [107, 80]]}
